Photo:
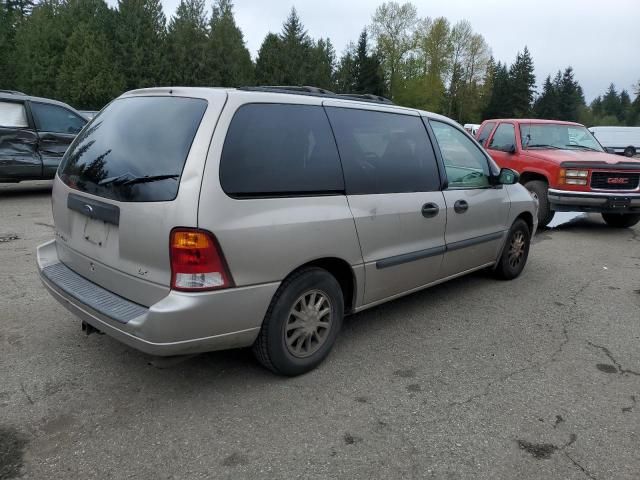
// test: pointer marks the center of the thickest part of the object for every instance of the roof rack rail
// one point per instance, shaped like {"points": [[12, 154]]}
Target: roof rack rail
{"points": [[367, 96], [12, 92], [290, 89], [317, 92]]}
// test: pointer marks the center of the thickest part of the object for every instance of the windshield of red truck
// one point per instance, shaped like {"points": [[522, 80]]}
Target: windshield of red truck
{"points": [[557, 136]]}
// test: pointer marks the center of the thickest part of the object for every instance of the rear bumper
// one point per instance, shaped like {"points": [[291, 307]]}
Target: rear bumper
{"points": [[599, 202], [179, 324]]}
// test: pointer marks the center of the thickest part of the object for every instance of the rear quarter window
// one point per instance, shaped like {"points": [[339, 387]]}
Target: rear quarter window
{"points": [[280, 150], [13, 114]]}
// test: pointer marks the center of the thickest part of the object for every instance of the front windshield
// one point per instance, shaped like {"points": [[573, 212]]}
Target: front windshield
{"points": [[557, 136]]}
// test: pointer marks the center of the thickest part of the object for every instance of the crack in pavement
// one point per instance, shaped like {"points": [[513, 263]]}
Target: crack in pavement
{"points": [[583, 469], [608, 353], [487, 387], [536, 365]]}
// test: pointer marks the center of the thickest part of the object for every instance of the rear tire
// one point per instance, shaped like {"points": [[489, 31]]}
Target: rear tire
{"points": [[539, 189], [515, 252], [621, 220], [301, 324], [629, 152]]}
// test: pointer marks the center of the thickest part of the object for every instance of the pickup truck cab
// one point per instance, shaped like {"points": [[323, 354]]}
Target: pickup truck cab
{"points": [[34, 134], [565, 168]]}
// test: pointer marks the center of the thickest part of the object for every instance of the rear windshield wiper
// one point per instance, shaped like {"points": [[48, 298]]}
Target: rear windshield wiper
{"points": [[128, 179]]}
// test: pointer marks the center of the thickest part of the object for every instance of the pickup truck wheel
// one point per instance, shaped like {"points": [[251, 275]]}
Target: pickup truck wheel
{"points": [[515, 252], [629, 152], [538, 190], [301, 324], [621, 220]]}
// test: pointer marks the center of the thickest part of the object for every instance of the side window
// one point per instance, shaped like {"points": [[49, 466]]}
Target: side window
{"points": [[384, 152], [13, 114], [280, 149], [466, 165], [505, 137], [485, 131], [55, 119]]}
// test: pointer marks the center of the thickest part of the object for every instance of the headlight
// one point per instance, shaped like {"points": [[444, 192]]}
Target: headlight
{"points": [[573, 177], [577, 173], [575, 181]]}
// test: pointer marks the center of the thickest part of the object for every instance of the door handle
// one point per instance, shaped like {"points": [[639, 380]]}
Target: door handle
{"points": [[461, 206], [430, 210]]}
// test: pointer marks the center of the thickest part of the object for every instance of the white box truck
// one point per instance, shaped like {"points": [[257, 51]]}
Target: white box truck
{"points": [[622, 140]]}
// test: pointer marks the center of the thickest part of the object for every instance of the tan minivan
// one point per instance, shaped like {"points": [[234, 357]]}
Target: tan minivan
{"points": [[197, 219]]}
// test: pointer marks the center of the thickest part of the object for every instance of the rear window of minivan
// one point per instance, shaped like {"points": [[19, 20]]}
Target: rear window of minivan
{"points": [[135, 149]]}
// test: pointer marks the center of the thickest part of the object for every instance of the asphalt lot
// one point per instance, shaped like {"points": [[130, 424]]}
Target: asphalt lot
{"points": [[478, 379]]}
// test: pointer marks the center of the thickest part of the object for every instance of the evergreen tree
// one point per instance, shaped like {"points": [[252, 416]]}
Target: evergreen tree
{"points": [[228, 57], [611, 102], [87, 78], [269, 68], [296, 52], [368, 75], [546, 105], [499, 105], [322, 64], [596, 106], [40, 42], [345, 76], [140, 46], [570, 97], [523, 82], [625, 107], [187, 45], [8, 21]]}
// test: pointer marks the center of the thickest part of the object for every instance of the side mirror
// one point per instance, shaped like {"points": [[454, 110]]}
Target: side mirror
{"points": [[609, 150], [511, 149], [508, 177]]}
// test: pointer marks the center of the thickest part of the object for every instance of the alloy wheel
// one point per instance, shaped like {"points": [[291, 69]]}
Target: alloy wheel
{"points": [[516, 249], [308, 324]]}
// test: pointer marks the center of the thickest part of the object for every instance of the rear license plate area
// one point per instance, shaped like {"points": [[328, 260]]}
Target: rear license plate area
{"points": [[95, 232]]}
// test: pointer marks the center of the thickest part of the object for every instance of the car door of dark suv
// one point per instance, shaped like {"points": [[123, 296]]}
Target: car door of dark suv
{"points": [[19, 159], [57, 126]]}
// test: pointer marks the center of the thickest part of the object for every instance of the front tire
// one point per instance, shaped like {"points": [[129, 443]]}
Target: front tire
{"points": [[301, 324], [515, 252], [621, 220], [629, 152], [539, 190]]}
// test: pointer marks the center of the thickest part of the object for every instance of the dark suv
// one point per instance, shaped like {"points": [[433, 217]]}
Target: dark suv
{"points": [[34, 134]]}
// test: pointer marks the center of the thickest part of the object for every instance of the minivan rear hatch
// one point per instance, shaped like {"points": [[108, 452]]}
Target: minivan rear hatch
{"points": [[132, 175]]}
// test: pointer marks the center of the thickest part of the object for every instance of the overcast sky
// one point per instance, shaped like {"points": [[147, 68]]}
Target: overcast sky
{"points": [[599, 39]]}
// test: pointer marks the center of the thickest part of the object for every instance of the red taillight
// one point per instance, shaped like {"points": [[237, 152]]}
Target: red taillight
{"points": [[197, 263]]}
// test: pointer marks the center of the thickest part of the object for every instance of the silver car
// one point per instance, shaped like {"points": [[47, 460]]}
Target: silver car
{"points": [[197, 219]]}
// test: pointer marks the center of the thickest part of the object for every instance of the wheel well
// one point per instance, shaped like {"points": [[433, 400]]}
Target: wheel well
{"points": [[342, 272], [528, 176], [528, 218]]}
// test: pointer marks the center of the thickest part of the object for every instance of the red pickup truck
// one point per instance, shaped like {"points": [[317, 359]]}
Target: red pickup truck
{"points": [[565, 168]]}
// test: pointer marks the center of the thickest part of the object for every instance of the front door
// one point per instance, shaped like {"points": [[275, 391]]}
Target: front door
{"points": [[392, 185], [502, 146], [57, 126], [477, 212]]}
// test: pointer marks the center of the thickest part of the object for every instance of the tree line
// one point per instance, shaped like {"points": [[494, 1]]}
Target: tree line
{"points": [[86, 53]]}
